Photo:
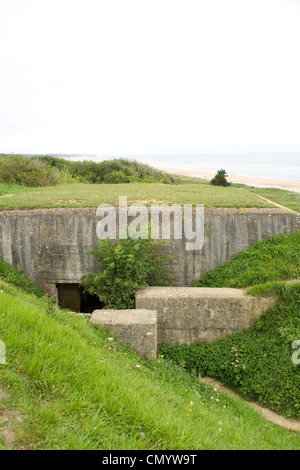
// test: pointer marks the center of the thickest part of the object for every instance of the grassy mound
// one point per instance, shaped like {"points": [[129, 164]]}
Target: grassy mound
{"points": [[273, 259], [73, 387], [256, 362]]}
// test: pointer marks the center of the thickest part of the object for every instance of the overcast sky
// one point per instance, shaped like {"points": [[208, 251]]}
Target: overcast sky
{"points": [[129, 77]]}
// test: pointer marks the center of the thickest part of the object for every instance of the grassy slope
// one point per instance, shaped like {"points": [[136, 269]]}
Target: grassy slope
{"points": [[273, 259], [87, 195], [256, 362], [73, 388], [8, 189], [288, 199]]}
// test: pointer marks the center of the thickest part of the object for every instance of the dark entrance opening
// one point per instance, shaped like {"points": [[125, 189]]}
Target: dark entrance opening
{"points": [[73, 297]]}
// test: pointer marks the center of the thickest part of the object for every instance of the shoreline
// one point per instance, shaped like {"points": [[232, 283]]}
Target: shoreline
{"points": [[249, 180]]}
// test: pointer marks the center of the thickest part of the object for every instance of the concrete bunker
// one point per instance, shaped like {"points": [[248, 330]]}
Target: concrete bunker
{"points": [[52, 246]]}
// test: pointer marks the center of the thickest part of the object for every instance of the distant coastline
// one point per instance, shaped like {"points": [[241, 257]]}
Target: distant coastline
{"points": [[276, 170], [249, 180], [260, 170]]}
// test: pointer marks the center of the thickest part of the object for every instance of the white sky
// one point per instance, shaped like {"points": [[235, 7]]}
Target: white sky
{"points": [[125, 77]]}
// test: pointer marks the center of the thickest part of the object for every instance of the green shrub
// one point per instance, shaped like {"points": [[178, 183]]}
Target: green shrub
{"points": [[16, 169], [137, 179], [220, 179], [125, 267], [116, 177]]}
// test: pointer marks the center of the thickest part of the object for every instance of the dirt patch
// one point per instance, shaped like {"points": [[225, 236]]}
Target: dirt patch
{"points": [[292, 281], [7, 418], [268, 414], [146, 201]]}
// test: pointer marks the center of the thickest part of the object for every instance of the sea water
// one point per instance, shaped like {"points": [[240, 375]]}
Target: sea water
{"points": [[271, 166]]}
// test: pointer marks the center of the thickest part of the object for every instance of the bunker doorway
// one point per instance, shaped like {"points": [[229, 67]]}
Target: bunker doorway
{"points": [[72, 296]]}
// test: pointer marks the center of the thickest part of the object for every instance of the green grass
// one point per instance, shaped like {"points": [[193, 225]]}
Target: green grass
{"points": [[81, 184], [273, 259], [285, 198], [17, 278], [256, 362], [92, 195], [73, 388], [10, 188]]}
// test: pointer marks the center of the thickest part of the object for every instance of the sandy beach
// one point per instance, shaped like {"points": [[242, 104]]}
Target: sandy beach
{"points": [[251, 181]]}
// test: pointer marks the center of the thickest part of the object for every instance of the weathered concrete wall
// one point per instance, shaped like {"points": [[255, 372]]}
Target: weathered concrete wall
{"points": [[52, 245], [192, 314]]}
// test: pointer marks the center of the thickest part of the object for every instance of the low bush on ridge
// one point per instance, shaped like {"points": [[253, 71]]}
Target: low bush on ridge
{"points": [[16, 169], [118, 170], [46, 170]]}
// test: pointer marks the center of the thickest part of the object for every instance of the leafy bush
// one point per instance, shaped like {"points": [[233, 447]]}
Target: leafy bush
{"points": [[109, 171], [16, 169], [125, 267], [116, 177], [220, 179], [256, 362], [16, 277]]}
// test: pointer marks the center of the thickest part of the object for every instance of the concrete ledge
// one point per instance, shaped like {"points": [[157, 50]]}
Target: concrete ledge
{"points": [[192, 314], [135, 328]]}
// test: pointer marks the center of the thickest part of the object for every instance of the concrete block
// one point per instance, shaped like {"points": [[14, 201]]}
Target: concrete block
{"points": [[135, 328], [192, 314]]}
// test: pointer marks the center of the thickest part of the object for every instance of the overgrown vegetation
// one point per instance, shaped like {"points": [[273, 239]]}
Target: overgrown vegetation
{"points": [[19, 170], [50, 171], [123, 268], [115, 171], [72, 386], [256, 362]]}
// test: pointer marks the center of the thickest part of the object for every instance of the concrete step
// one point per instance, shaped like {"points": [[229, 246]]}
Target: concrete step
{"points": [[137, 328]]}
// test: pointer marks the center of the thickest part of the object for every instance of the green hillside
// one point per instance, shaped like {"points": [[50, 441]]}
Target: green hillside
{"points": [[68, 385]]}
